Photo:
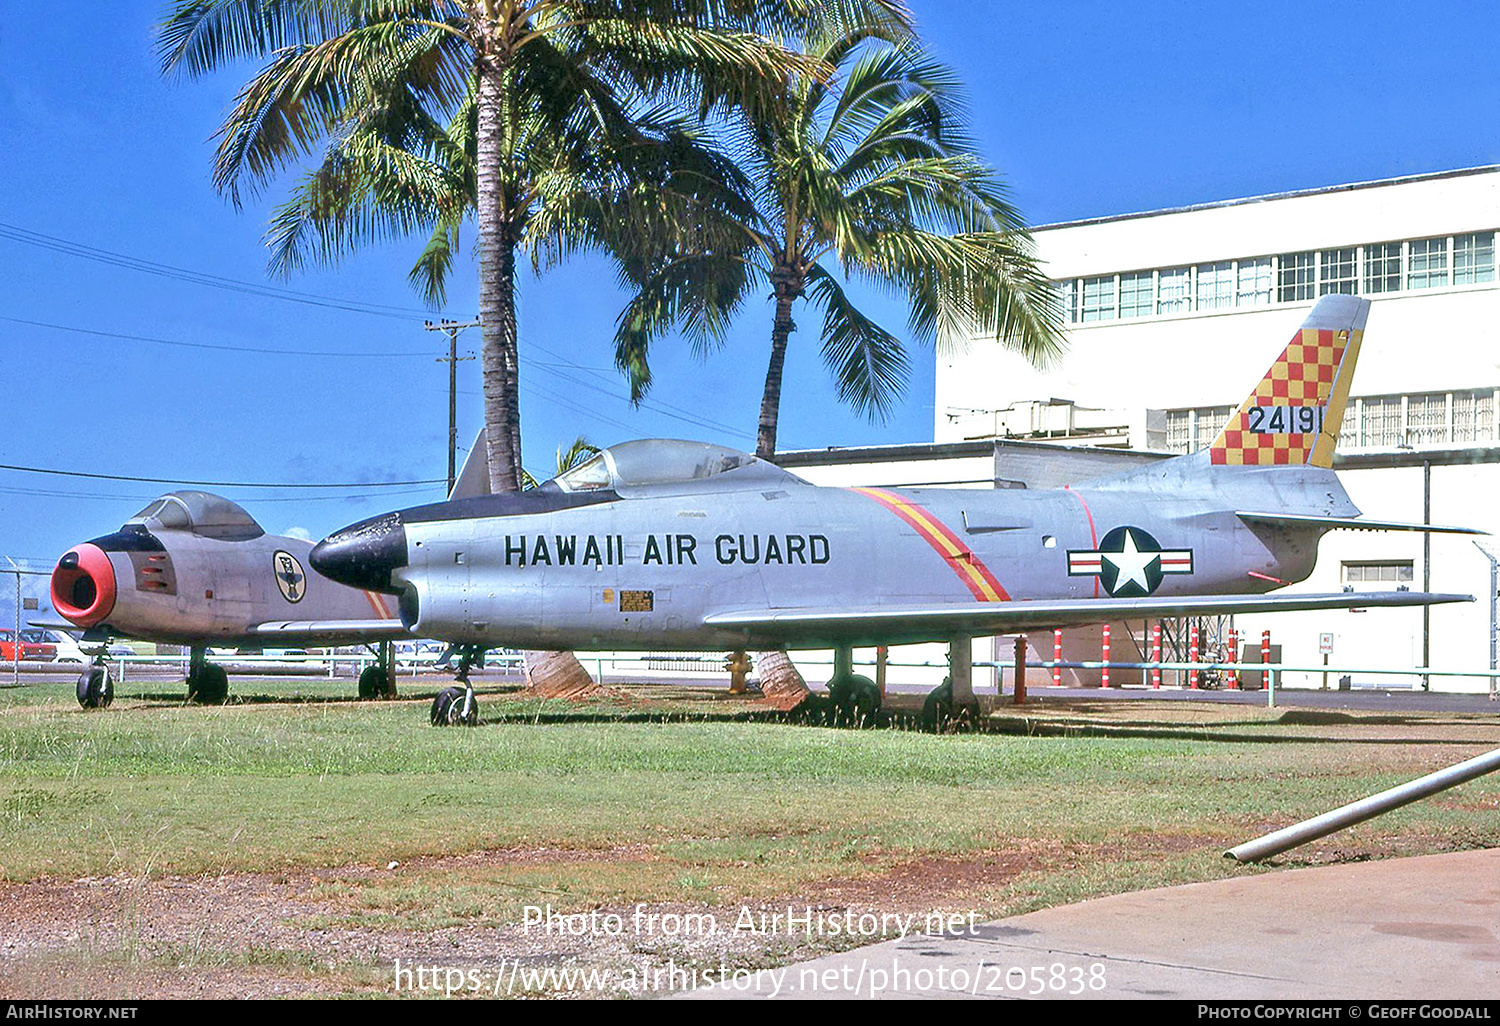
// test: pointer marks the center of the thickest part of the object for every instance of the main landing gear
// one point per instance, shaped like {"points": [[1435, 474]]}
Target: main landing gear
{"points": [[207, 684], [853, 700], [379, 680], [456, 706]]}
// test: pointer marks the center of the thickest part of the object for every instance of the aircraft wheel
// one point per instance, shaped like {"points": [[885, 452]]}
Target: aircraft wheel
{"points": [[853, 700], [455, 707], [864, 700], [210, 687], [373, 683], [937, 709], [95, 688]]}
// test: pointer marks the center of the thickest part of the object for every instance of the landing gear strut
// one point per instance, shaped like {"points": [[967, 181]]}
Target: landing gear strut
{"points": [[207, 684], [379, 681], [95, 688], [854, 700], [456, 706]]}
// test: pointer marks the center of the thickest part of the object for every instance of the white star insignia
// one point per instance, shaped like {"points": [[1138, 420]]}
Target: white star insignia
{"points": [[1131, 564]]}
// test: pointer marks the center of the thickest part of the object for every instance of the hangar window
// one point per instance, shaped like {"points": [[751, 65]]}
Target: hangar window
{"points": [[1098, 299], [1392, 571], [1380, 422], [1067, 295], [1137, 294], [1216, 286], [1426, 419], [1428, 265], [1175, 291], [1473, 416], [1383, 267], [1254, 288], [1336, 271], [1297, 277], [1474, 258]]}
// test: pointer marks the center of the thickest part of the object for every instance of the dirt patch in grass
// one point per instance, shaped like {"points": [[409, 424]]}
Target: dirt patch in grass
{"points": [[312, 933]]}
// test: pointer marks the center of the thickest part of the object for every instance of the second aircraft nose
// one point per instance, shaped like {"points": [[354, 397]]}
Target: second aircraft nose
{"points": [[365, 554]]}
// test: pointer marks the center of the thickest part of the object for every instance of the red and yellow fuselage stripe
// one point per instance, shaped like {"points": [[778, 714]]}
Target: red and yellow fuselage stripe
{"points": [[969, 568]]}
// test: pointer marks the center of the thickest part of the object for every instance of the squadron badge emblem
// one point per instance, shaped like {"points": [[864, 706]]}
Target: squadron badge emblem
{"points": [[290, 577]]}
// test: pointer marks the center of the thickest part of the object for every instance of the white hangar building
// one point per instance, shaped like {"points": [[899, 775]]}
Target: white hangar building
{"points": [[1174, 315]]}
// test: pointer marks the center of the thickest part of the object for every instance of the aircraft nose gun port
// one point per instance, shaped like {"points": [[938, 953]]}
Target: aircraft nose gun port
{"points": [[364, 555], [83, 585]]}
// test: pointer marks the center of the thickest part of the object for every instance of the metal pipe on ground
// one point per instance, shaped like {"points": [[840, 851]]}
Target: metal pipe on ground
{"points": [[1368, 808]]}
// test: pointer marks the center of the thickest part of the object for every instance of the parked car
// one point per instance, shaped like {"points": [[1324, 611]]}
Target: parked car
{"points": [[30, 650], [67, 649]]}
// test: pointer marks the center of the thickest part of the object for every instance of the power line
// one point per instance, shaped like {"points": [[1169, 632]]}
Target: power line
{"points": [[219, 484], [255, 499], [199, 345], [104, 256]]}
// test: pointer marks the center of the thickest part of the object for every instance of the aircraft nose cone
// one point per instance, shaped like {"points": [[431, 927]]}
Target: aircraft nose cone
{"points": [[83, 585], [363, 555]]}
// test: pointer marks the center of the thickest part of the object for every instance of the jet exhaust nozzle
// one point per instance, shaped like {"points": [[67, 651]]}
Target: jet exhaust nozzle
{"points": [[364, 555]]}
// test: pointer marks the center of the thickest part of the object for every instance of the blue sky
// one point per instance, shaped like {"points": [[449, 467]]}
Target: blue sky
{"points": [[1087, 108]]}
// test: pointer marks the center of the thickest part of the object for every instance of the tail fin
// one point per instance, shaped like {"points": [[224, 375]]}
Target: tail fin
{"points": [[1294, 415], [474, 478]]}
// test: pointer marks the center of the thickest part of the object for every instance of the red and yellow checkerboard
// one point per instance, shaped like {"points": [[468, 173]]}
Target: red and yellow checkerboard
{"points": [[1303, 376]]}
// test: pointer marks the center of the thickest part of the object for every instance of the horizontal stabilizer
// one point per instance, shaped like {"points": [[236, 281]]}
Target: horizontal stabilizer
{"points": [[1349, 523], [335, 632], [903, 625]]}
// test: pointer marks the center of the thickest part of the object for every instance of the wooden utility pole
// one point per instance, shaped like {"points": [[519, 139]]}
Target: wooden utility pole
{"points": [[452, 328]]}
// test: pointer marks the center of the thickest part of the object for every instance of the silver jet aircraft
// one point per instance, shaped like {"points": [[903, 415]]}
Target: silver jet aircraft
{"points": [[195, 569], [682, 545]]}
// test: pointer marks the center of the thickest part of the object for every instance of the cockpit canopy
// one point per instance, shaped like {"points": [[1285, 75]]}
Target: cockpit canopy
{"points": [[209, 516], [656, 462]]}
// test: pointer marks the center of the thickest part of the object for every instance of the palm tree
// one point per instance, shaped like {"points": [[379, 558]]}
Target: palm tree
{"points": [[870, 168], [868, 173], [535, 94]]}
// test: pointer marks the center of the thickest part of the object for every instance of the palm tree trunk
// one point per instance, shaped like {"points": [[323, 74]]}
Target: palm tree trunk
{"points": [[497, 291], [770, 401], [552, 674], [779, 680]]}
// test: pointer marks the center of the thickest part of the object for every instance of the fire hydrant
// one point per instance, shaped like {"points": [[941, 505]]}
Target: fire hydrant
{"points": [[738, 665]]}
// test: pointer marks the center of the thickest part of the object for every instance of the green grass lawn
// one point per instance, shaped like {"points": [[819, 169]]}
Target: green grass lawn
{"points": [[358, 820], [694, 801]]}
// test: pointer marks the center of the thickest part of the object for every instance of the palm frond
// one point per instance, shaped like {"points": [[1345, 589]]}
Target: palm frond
{"points": [[868, 362]]}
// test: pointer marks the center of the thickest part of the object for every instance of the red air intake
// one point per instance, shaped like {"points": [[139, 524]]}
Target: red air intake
{"points": [[83, 586]]}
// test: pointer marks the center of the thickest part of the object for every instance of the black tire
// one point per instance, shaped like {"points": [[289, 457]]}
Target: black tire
{"points": [[864, 699], [373, 683], [448, 708], [210, 687], [96, 689], [937, 709]]}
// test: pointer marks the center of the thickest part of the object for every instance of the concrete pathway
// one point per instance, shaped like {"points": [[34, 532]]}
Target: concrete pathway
{"points": [[1419, 928]]}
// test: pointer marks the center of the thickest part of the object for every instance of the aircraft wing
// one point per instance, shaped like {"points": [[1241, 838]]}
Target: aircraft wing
{"points": [[333, 632], [1350, 523], [56, 624], [895, 625]]}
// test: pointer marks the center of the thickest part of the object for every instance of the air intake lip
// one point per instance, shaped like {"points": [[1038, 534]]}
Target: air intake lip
{"points": [[83, 585]]}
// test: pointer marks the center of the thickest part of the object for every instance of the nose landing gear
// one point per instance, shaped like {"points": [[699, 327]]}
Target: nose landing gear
{"points": [[96, 689], [456, 706]]}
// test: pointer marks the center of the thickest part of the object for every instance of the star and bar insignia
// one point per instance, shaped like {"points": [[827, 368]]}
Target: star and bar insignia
{"points": [[1129, 562]]}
